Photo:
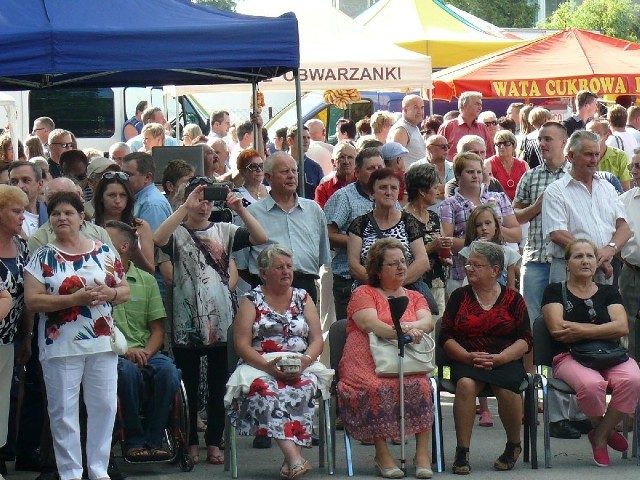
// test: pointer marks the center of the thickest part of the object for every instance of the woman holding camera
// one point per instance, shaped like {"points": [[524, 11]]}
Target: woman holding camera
{"points": [[203, 304], [275, 319]]}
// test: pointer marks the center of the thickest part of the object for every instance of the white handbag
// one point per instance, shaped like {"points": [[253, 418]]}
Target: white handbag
{"points": [[119, 344], [418, 357]]}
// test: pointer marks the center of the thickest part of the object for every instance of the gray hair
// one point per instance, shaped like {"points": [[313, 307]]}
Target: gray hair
{"points": [[222, 143], [466, 140], [64, 184], [466, 97], [577, 138], [486, 114], [271, 159], [493, 252], [505, 136], [266, 256], [119, 146]]}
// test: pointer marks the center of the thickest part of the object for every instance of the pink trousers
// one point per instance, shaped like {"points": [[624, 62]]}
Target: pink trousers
{"points": [[591, 386]]}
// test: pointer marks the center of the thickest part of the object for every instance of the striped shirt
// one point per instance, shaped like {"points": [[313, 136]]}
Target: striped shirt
{"points": [[568, 205], [532, 184]]}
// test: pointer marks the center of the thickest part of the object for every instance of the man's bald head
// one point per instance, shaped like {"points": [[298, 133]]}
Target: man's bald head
{"points": [[59, 185], [316, 129]]}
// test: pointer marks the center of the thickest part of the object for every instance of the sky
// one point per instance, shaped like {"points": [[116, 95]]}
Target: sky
{"points": [[247, 6]]}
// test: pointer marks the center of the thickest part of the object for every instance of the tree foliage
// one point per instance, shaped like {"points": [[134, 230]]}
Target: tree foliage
{"points": [[222, 4], [617, 18], [502, 13]]}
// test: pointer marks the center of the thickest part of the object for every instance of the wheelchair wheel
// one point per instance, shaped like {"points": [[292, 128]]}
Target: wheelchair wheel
{"points": [[186, 463]]}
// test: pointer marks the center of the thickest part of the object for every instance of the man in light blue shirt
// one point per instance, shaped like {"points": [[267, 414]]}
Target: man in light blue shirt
{"points": [[152, 115], [292, 221]]}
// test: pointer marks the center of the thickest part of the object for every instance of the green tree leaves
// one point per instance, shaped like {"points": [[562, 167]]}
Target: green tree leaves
{"points": [[222, 4], [502, 13]]}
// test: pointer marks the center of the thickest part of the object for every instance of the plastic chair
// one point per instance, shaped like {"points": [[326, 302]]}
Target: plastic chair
{"points": [[326, 434], [543, 357], [337, 339], [526, 386]]}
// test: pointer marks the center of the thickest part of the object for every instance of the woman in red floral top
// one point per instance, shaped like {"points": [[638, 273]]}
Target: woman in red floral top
{"points": [[73, 283], [275, 320]]}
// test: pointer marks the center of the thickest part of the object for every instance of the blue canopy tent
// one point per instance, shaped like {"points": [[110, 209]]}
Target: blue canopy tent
{"points": [[58, 43]]}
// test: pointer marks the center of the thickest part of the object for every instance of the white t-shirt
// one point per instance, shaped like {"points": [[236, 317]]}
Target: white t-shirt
{"points": [[623, 141], [30, 223]]}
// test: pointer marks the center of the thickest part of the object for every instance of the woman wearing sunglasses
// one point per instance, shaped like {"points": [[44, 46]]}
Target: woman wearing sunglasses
{"points": [[591, 312], [113, 200], [251, 167], [203, 303]]}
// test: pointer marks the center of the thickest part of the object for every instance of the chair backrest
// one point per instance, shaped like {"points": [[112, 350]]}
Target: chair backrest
{"points": [[542, 343], [337, 339], [442, 359], [232, 356]]}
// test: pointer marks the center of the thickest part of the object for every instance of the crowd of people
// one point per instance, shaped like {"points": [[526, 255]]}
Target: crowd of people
{"points": [[485, 223]]}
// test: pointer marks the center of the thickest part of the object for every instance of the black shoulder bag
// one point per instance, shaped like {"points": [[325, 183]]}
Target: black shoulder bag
{"points": [[595, 354]]}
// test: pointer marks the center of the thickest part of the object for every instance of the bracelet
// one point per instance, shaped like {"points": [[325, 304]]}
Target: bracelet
{"points": [[115, 296], [308, 356]]}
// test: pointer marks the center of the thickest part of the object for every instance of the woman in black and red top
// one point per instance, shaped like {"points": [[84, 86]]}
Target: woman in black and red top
{"points": [[485, 331]]}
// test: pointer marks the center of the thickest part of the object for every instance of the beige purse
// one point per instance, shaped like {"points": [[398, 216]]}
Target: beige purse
{"points": [[418, 357]]}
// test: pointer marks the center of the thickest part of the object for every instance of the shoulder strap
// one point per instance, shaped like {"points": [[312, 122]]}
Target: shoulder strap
{"points": [[565, 303], [374, 224], [224, 275]]}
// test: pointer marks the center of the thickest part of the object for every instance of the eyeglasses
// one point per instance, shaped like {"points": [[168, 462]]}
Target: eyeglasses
{"points": [[397, 264], [445, 146], [491, 124], [474, 266], [635, 165], [255, 167], [63, 145], [200, 180], [592, 311], [121, 175], [503, 144]]}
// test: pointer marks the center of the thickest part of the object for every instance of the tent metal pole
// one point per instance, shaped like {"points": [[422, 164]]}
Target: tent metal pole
{"points": [[300, 160], [431, 100], [254, 103], [178, 129]]}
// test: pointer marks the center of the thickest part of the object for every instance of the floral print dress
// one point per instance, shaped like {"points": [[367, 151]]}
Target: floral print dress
{"points": [[78, 330], [272, 407]]}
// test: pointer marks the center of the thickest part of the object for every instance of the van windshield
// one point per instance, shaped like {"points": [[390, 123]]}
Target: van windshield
{"points": [[288, 117]]}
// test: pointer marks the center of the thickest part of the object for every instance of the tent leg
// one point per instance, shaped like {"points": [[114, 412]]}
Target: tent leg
{"points": [[299, 139]]}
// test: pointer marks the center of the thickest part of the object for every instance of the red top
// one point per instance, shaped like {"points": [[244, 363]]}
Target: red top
{"points": [[328, 188], [456, 128], [509, 181]]}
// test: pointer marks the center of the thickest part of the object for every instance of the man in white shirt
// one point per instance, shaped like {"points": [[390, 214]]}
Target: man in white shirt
{"points": [[27, 177], [629, 280]]}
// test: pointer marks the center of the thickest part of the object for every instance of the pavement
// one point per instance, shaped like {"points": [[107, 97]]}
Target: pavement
{"points": [[571, 459]]}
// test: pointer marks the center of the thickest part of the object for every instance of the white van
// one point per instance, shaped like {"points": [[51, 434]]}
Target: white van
{"points": [[96, 115]]}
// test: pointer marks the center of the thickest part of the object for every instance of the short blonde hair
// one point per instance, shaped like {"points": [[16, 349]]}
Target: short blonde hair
{"points": [[155, 129], [538, 116], [505, 136], [10, 195]]}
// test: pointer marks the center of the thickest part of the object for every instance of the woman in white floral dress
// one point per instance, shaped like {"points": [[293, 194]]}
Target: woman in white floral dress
{"points": [[274, 318], [73, 283]]}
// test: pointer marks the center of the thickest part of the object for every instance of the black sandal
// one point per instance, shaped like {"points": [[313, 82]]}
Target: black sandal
{"points": [[508, 459], [461, 463]]}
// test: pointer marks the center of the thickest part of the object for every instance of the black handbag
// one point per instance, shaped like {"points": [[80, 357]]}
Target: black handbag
{"points": [[595, 354]]}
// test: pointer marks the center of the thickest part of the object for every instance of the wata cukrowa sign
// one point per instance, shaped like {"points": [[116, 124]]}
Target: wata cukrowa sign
{"points": [[566, 87]]}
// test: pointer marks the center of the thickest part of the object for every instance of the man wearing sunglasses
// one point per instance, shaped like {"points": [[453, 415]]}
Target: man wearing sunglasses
{"points": [[59, 141]]}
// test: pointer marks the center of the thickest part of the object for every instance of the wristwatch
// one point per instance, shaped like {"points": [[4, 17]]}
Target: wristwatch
{"points": [[614, 246]]}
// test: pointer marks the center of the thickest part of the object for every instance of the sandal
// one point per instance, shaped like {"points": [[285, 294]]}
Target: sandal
{"points": [[508, 459], [214, 455], [194, 453], [461, 463], [138, 454], [299, 468], [284, 471], [159, 454]]}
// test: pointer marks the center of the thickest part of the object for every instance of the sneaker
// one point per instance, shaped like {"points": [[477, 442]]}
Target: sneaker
{"points": [[600, 454], [485, 419], [618, 442]]}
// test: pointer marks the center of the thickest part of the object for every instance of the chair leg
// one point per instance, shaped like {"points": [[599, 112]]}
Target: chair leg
{"points": [[347, 451], [436, 437], [545, 416], [322, 427], [533, 423], [332, 434], [625, 432], [329, 427], [234, 453], [526, 424]]}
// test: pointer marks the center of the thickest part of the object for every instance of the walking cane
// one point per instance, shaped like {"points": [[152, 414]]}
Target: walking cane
{"points": [[397, 306]]}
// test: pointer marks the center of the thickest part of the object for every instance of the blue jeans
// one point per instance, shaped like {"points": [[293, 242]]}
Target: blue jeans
{"points": [[534, 279], [164, 380]]}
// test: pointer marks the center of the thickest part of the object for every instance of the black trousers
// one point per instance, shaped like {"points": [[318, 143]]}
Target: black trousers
{"points": [[188, 360]]}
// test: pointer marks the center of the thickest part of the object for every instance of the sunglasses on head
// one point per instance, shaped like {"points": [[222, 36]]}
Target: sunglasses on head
{"points": [[120, 175], [200, 180], [255, 167]]}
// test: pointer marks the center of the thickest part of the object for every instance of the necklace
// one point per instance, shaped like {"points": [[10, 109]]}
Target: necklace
{"points": [[255, 195], [484, 305], [415, 212]]}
